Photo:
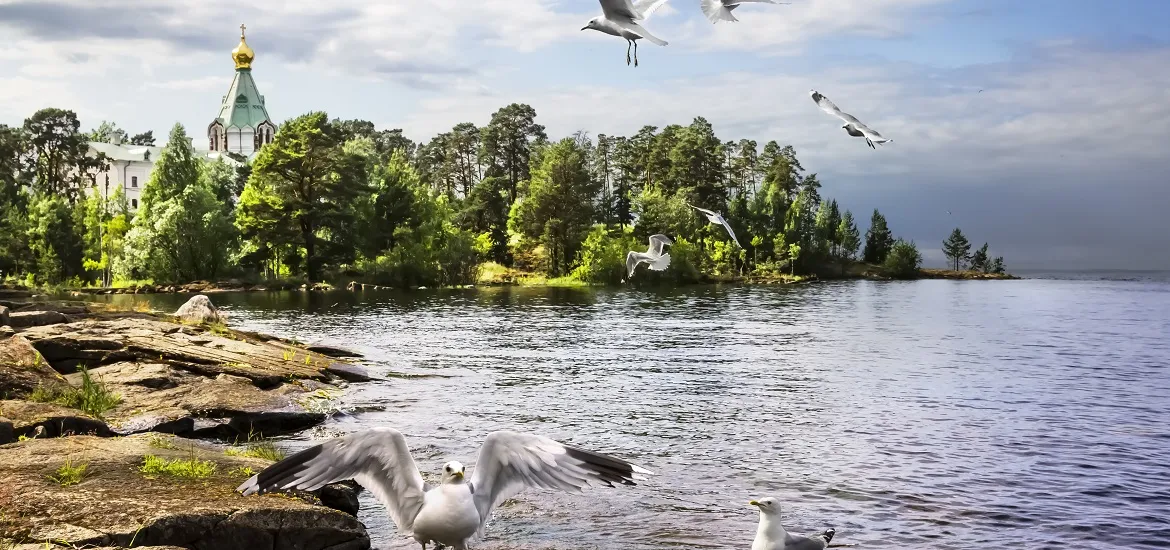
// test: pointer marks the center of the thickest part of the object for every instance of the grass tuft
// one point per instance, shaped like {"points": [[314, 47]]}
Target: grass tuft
{"points": [[161, 441], [68, 474], [182, 468], [264, 449], [243, 471], [91, 398]]}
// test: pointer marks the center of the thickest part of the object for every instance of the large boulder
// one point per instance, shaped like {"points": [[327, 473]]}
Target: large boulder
{"points": [[115, 505], [3, 316], [31, 419], [161, 398], [21, 319], [199, 310], [23, 369]]}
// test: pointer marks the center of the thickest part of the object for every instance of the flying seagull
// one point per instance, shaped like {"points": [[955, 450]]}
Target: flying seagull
{"points": [[653, 256], [620, 18], [852, 126], [720, 10], [718, 219], [456, 509], [770, 535]]}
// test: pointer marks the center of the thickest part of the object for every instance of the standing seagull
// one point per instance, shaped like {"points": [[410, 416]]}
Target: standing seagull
{"points": [[720, 10], [852, 126], [620, 18], [455, 510], [718, 219], [770, 535], [653, 256]]}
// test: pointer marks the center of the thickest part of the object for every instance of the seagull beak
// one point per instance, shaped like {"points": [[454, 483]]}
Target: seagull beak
{"points": [[585, 28], [458, 475], [754, 503]]}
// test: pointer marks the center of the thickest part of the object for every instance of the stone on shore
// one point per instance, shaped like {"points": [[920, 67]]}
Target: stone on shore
{"points": [[21, 319], [115, 504], [199, 310], [31, 419], [3, 315], [23, 369]]}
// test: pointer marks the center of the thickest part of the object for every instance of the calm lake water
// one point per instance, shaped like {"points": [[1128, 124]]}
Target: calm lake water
{"points": [[931, 414]]}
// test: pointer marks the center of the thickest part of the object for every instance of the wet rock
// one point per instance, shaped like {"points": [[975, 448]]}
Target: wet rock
{"points": [[50, 420], [199, 310], [114, 504], [19, 319], [341, 496], [22, 369], [348, 372], [331, 351]]}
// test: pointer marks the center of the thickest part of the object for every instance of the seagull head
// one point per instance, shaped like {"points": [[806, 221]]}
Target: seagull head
{"points": [[767, 505], [453, 472], [594, 23]]}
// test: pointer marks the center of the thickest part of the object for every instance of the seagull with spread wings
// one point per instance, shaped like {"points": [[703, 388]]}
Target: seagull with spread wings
{"points": [[718, 219], [720, 10], [457, 509], [654, 256], [620, 18], [852, 126]]}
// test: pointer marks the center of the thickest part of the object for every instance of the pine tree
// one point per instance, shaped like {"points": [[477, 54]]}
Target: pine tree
{"points": [[980, 260], [848, 236], [878, 239], [957, 248], [997, 266]]}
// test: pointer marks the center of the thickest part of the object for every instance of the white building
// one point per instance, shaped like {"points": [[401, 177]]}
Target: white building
{"points": [[242, 127]]}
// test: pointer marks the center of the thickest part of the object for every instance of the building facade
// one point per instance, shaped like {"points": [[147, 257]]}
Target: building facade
{"points": [[242, 127]]}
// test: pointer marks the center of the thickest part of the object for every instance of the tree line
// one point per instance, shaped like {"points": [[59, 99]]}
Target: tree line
{"points": [[341, 199]]}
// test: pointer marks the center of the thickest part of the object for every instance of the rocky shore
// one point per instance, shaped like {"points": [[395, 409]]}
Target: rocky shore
{"points": [[129, 429]]}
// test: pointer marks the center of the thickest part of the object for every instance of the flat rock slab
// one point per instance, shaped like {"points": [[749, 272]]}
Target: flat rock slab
{"points": [[31, 419], [115, 504], [163, 398], [20, 319], [196, 349], [23, 369]]}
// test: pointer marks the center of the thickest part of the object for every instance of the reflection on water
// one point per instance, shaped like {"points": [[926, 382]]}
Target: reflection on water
{"points": [[932, 414]]}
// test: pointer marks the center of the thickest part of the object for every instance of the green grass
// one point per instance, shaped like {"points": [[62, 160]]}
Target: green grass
{"points": [[220, 329], [92, 398], [69, 474], [160, 441], [182, 468], [263, 449], [243, 471]]}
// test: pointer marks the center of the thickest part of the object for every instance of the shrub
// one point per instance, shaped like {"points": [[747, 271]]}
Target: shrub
{"points": [[904, 260], [602, 259]]}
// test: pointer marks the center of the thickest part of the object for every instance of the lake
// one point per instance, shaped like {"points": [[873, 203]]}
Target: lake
{"points": [[927, 414]]}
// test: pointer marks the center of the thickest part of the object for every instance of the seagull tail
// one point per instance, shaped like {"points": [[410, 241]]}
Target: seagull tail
{"points": [[828, 535], [716, 11], [661, 263]]}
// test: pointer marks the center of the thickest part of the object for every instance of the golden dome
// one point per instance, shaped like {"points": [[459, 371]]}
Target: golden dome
{"points": [[243, 55]]}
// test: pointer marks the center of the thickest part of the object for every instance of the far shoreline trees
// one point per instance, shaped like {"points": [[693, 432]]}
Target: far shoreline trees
{"points": [[342, 200]]}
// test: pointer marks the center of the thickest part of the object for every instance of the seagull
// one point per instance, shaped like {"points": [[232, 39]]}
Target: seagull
{"points": [[852, 126], [720, 10], [948, 212], [653, 256], [457, 509], [620, 18], [718, 219], [770, 535]]}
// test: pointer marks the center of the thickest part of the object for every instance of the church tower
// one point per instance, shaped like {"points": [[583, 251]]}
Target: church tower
{"points": [[243, 125]]}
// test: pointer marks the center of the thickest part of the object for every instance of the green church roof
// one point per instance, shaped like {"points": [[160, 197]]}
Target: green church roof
{"points": [[243, 106]]}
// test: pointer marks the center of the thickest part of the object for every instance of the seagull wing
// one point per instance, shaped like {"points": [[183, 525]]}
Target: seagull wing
{"points": [[377, 459], [831, 108], [656, 244], [632, 261], [510, 462], [819, 541], [704, 210], [730, 231], [870, 133], [619, 10], [647, 7], [717, 10]]}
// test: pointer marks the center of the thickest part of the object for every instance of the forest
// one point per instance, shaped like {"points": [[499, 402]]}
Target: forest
{"points": [[337, 200]]}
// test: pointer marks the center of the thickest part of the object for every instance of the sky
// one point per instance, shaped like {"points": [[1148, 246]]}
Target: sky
{"points": [[1062, 161]]}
